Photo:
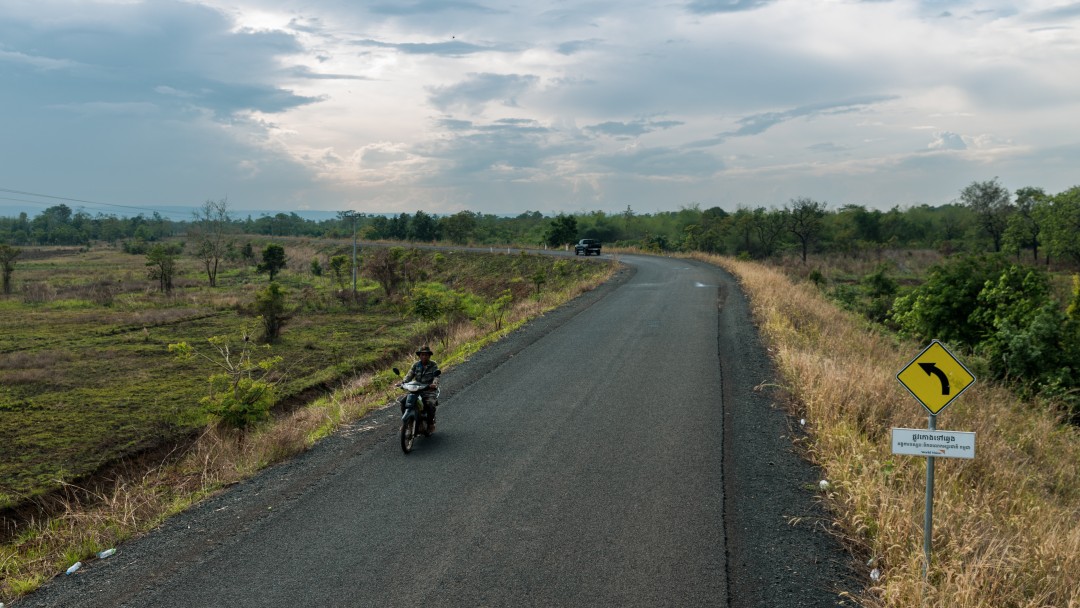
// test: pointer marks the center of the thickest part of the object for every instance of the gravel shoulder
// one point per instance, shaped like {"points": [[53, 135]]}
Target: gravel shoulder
{"points": [[780, 551]]}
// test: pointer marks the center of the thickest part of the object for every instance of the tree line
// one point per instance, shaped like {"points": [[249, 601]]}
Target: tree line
{"points": [[985, 217]]}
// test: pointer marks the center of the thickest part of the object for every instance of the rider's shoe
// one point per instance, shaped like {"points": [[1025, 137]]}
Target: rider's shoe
{"points": [[431, 427]]}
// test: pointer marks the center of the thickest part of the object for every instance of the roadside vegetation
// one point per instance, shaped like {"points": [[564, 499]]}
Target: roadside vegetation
{"points": [[123, 401], [1006, 524]]}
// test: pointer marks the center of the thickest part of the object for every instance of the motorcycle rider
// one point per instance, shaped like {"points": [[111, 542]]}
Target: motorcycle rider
{"points": [[425, 371]]}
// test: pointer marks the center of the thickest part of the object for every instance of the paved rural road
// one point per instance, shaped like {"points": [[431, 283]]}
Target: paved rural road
{"points": [[612, 453]]}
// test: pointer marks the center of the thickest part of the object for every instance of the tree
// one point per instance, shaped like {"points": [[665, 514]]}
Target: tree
{"points": [[562, 230], [769, 227], [340, 267], [805, 219], [273, 259], [7, 264], [272, 307], [161, 260], [459, 228], [742, 227], [385, 267], [1025, 226], [209, 231], [1063, 225], [992, 205], [423, 227]]}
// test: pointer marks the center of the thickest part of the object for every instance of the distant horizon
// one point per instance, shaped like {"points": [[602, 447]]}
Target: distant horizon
{"points": [[500, 108], [13, 211]]}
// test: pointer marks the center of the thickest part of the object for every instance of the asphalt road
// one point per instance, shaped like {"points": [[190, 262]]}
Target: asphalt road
{"points": [[612, 453]]}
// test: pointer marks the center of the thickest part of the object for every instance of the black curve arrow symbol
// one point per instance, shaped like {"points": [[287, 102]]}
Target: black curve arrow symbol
{"points": [[932, 368]]}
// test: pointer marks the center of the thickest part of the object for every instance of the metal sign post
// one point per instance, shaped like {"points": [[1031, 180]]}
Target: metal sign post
{"points": [[928, 521], [935, 378]]}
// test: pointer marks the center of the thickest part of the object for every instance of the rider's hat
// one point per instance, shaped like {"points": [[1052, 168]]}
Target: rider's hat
{"points": [[423, 349]]}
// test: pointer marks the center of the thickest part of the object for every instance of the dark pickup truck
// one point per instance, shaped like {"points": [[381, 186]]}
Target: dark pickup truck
{"points": [[587, 247]]}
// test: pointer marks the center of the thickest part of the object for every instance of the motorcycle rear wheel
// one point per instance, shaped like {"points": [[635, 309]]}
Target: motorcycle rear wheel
{"points": [[408, 434]]}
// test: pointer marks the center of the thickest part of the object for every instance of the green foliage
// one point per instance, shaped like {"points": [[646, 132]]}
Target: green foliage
{"points": [[341, 268], [498, 308], [872, 296], [436, 301], [538, 278], [161, 262], [7, 264], [136, 247], [561, 231], [992, 205], [1062, 221], [273, 260], [1073, 310], [1008, 315], [316, 267], [941, 307], [1025, 332], [241, 392], [272, 307]]}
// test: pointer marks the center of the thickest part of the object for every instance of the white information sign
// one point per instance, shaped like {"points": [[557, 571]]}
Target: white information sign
{"points": [[939, 444]]}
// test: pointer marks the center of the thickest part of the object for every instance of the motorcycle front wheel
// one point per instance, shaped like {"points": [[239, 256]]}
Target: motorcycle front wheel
{"points": [[408, 433]]}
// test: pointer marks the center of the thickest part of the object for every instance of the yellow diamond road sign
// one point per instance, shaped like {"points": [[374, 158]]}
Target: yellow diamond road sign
{"points": [[935, 377]]}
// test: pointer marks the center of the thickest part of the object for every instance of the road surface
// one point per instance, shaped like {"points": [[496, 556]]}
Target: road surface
{"points": [[612, 453]]}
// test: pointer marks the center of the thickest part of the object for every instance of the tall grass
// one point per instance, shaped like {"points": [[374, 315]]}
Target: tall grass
{"points": [[1006, 524]]}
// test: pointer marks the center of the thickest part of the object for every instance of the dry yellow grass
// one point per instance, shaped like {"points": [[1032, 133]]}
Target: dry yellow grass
{"points": [[1006, 524]]}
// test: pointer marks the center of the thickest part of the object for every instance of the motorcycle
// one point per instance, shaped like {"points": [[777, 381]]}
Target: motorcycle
{"points": [[413, 418]]}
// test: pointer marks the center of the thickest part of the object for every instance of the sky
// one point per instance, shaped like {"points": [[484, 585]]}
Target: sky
{"points": [[502, 107]]}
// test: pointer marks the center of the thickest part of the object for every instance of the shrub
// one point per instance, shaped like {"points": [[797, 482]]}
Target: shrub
{"points": [[241, 393], [272, 307], [941, 307]]}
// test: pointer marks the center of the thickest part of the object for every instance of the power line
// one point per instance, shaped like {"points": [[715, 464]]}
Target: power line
{"points": [[77, 200]]}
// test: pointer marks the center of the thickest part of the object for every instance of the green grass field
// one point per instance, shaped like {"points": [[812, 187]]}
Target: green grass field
{"points": [[86, 376]]}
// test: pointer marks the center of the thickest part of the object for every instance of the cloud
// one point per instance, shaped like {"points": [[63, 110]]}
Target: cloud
{"points": [[427, 7], [663, 162], [759, 123], [946, 140], [449, 48], [712, 7], [108, 109], [126, 53], [43, 63], [480, 89], [475, 103], [572, 47], [631, 129], [303, 71]]}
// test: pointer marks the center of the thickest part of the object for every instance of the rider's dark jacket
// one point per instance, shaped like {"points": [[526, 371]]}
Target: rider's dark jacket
{"points": [[424, 374]]}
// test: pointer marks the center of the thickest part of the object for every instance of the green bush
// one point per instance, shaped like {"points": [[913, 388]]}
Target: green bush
{"points": [[941, 307], [1008, 316], [241, 392]]}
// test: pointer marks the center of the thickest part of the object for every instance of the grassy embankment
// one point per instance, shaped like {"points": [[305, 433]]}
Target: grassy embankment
{"points": [[87, 380], [1006, 524]]}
